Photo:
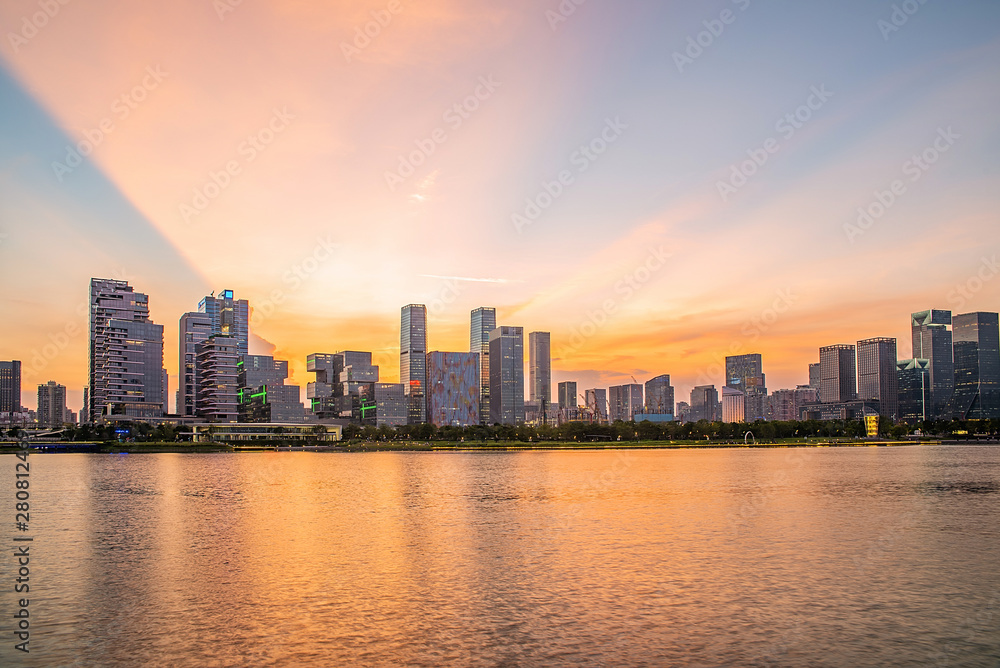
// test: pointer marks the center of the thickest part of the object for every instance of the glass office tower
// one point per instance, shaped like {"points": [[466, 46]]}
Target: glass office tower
{"points": [[932, 340], [413, 359], [484, 321], [977, 366], [507, 375]]}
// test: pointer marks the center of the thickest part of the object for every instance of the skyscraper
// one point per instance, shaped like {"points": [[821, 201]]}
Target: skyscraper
{"points": [[704, 404], [815, 379], [126, 353], [230, 317], [194, 328], [746, 374], [624, 401], [452, 389], [319, 393], [391, 405], [838, 374], [507, 375], [932, 340], [413, 359], [10, 387], [597, 403], [877, 374], [484, 321], [660, 395], [540, 369], [733, 405], [914, 379], [262, 393], [216, 361], [567, 394], [977, 366], [52, 411]]}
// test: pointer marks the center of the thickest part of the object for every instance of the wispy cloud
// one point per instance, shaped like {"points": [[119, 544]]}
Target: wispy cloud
{"points": [[471, 279]]}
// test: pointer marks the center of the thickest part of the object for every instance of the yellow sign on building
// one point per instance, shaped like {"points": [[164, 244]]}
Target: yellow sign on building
{"points": [[871, 423]]}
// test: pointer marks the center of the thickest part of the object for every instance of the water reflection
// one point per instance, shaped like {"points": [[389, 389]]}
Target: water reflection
{"points": [[834, 557]]}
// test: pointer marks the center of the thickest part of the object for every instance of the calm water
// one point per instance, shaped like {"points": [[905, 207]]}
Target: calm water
{"points": [[797, 557]]}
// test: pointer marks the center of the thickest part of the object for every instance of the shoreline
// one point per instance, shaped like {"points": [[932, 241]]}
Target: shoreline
{"points": [[512, 446]]}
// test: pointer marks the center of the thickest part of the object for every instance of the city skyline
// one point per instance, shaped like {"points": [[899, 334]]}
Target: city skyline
{"points": [[842, 372], [629, 264]]}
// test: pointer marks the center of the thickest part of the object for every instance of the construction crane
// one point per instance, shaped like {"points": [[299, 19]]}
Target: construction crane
{"points": [[634, 380]]}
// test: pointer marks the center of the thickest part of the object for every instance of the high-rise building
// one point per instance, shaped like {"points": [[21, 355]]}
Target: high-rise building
{"points": [[452, 389], [230, 317], [746, 374], [704, 404], [877, 375], [977, 366], [567, 394], [257, 370], [319, 392], [783, 408], [838, 374], [932, 340], [914, 380], [126, 353], [624, 401], [733, 405], [413, 359], [540, 372], [271, 404], [52, 411], [84, 416], [484, 321], [263, 395], [815, 379], [597, 403], [507, 375], [216, 360], [10, 387], [540, 368], [385, 405], [355, 375], [194, 328], [660, 395]]}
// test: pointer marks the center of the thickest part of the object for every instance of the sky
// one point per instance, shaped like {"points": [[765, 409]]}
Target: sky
{"points": [[657, 184]]}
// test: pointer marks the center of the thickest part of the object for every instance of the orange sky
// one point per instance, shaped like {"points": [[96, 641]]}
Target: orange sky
{"points": [[309, 130]]}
